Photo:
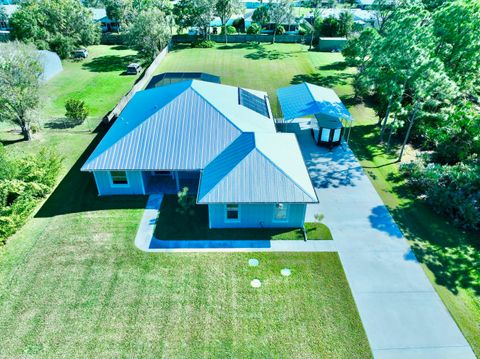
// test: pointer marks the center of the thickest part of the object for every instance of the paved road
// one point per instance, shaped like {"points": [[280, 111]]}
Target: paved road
{"points": [[401, 312]]}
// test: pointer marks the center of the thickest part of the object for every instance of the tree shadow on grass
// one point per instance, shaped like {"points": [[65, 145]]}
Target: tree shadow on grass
{"points": [[60, 124], [336, 66], [338, 79], [449, 253], [77, 191], [109, 63], [263, 53]]}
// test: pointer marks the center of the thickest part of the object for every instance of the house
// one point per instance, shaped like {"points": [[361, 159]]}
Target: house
{"points": [[219, 141], [106, 24], [6, 12]]}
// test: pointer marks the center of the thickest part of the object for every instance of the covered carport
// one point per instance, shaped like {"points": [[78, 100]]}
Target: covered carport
{"points": [[331, 117]]}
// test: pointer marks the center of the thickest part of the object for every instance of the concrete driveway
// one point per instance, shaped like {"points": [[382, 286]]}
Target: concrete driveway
{"points": [[401, 312]]}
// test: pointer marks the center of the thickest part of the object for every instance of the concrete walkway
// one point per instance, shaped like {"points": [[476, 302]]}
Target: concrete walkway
{"points": [[400, 310]]}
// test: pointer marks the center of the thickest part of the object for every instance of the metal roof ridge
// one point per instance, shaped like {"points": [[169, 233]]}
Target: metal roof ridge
{"points": [[214, 107], [287, 175]]}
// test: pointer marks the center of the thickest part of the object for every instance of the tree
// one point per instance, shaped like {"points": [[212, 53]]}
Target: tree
{"points": [[254, 29], [261, 15], [359, 48], [20, 71], [317, 13], [345, 23], [119, 10], [384, 11], [278, 11], [225, 9], [457, 29], [57, 25], [194, 13], [149, 32], [329, 26]]}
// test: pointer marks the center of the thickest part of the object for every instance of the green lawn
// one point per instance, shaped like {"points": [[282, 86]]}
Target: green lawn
{"points": [[97, 80], [72, 284], [447, 254], [176, 226]]}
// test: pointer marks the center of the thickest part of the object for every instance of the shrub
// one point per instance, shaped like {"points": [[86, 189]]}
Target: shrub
{"points": [[230, 30], [205, 44], [280, 30], [451, 190], [186, 203], [254, 29], [239, 24], [22, 183], [76, 111]]}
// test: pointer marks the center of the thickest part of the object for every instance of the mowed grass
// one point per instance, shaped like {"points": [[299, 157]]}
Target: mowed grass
{"points": [[98, 80], [72, 284], [439, 246]]}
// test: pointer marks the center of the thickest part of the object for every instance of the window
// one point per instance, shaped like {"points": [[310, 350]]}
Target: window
{"points": [[119, 177], [232, 213], [280, 213], [161, 173]]}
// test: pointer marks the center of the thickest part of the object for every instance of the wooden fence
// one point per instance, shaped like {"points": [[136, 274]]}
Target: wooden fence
{"points": [[139, 85]]}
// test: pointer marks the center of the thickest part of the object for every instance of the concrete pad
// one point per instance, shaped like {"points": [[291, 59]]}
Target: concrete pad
{"points": [[407, 320], [384, 272]]}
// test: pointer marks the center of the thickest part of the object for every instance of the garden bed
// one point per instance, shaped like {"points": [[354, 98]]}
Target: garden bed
{"points": [[175, 226]]}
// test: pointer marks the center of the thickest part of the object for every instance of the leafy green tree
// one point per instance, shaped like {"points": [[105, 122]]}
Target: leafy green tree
{"points": [[119, 10], [149, 32], [329, 27], [261, 15], [194, 13], [457, 28], [224, 10], [345, 23], [57, 25], [279, 11], [20, 71], [359, 48]]}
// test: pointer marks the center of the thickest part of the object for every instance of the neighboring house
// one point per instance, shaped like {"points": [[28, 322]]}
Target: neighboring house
{"points": [[106, 24], [219, 141], [6, 12]]}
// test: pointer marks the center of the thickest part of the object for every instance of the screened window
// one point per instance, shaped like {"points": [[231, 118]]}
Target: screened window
{"points": [[281, 212], [119, 177], [232, 212]]}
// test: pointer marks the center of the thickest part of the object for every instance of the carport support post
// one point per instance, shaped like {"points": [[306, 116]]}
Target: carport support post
{"points": [[177, 181], [349, 130]]}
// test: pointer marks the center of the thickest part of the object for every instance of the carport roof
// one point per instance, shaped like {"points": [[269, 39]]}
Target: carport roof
{"points": [[306, 99]]}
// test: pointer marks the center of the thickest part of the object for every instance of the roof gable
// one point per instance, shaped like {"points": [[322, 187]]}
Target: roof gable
{"points": [[253, 175]]}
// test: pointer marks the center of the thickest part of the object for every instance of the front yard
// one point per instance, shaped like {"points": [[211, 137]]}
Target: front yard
{"points": [[172, 225]]}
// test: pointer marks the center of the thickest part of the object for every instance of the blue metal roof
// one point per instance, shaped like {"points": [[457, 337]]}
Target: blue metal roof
{"points": [[306, 99], [182, 126], [258, 168]]}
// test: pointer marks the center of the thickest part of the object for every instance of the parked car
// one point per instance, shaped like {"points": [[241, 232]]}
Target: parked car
{"points": [[134, 69], [80, 54]]}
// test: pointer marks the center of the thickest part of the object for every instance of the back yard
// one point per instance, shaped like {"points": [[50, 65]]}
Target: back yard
{"points": [[73, 284]]}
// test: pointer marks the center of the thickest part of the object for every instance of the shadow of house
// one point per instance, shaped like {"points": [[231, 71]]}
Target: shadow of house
{"points": [[77, 191]]}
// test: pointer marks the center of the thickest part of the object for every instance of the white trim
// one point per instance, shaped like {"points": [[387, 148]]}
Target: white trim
{"points": [[287, 212], [119, 185], [229, 220]]}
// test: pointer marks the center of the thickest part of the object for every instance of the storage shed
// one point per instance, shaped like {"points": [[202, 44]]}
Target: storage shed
{"points": [[330, 116]]}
